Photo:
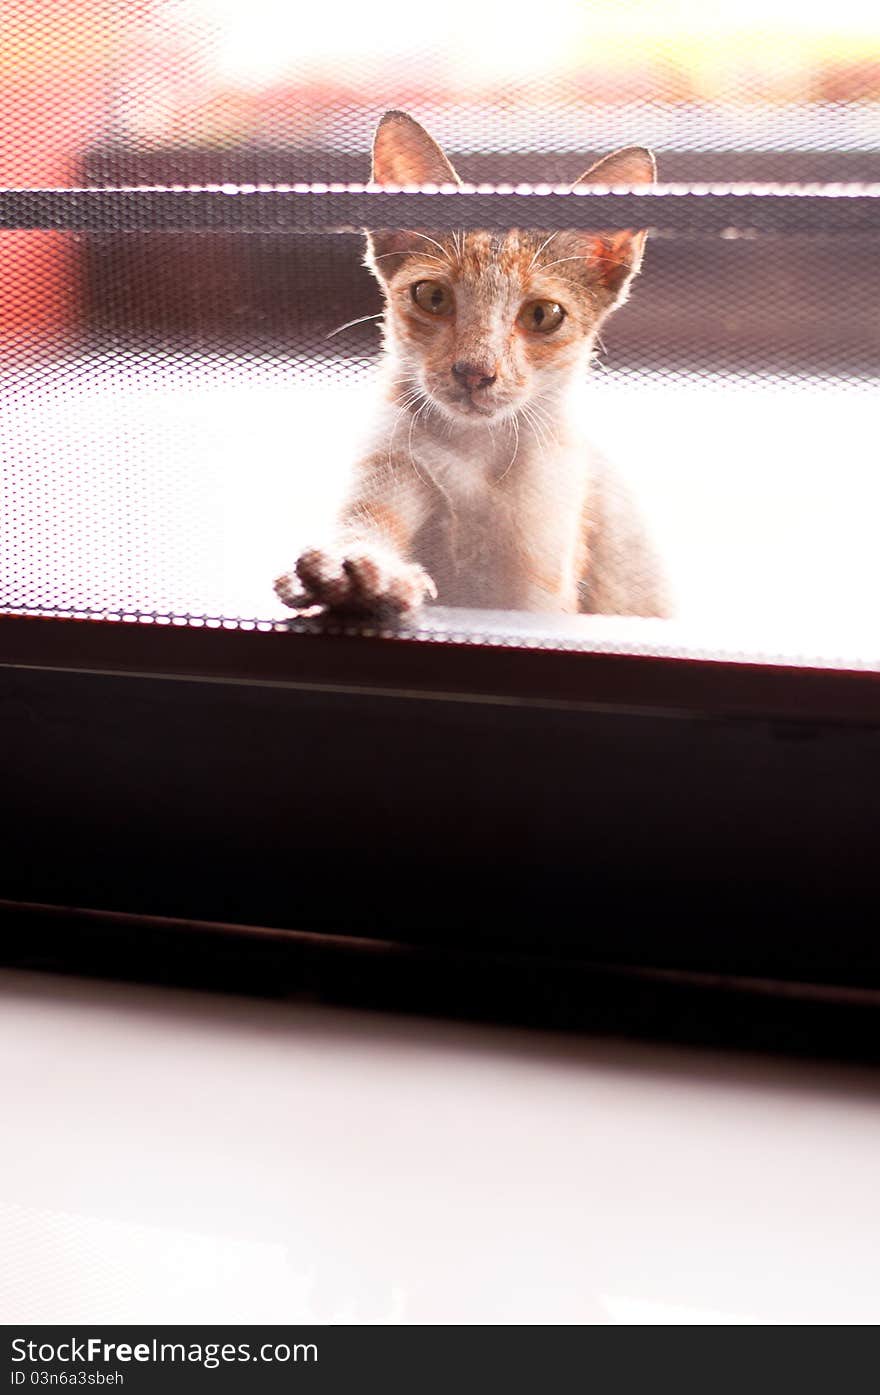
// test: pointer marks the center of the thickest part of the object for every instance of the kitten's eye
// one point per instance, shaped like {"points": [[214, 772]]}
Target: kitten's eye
{"points": [[433, 297], [541, 316]]}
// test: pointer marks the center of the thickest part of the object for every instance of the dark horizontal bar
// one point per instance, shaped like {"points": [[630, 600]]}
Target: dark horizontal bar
{"points": [[366, 947], [783, 1014], [828, 209], [433, 668]]}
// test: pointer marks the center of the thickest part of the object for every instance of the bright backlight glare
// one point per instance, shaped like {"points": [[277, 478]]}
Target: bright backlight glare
{"points": [[265, 40]]}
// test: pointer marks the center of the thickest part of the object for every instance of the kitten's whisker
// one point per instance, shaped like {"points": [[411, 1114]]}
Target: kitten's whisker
{"points": [[509, 467], [541, 248], [432, 408], [422, 256], [553, 438], [412, 424], [349, 324], [559, 261], [434, 243], [595, 361], [545, 419], [408, 401], [410, 397], [393, 432], [537, 431]]}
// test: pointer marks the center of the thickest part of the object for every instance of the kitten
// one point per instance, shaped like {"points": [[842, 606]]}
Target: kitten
{"points": [[476, 488]]}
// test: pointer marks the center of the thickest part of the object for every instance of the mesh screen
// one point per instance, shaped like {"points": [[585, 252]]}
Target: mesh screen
{"points": [[180, 405]]}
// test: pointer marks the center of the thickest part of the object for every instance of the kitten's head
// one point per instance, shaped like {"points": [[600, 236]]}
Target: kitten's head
{"points": [[484, 323]]}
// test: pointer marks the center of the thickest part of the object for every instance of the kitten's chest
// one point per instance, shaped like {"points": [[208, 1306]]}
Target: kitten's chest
{"points": [[502, 533]]}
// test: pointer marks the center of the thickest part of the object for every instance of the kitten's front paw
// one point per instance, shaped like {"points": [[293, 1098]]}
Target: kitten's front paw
{"points": [[362, 579]]}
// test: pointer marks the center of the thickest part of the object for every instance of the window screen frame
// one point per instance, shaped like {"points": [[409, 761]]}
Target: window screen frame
{"points": [[298, 660]]}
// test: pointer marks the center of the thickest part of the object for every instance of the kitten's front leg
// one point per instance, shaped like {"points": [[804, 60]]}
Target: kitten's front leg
{"points": [[366, 568]]}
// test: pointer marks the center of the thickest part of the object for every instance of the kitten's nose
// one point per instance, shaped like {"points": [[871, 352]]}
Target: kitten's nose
{"points": [[473, 375]]}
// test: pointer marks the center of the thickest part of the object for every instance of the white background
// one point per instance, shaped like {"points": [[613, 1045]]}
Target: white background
{"points": [[179, 1157]]}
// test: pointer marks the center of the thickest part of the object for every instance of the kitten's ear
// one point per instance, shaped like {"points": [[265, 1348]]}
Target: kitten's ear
{"points": [[618, 255], [634, 165], [403, 153]]}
